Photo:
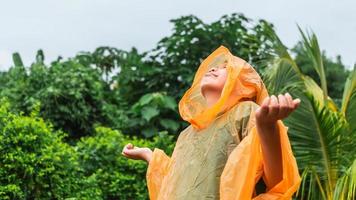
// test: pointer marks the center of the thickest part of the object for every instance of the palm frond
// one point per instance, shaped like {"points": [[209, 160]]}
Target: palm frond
{"points": [[346, 186], [313, 88], [312, 50], [319, 132], [282, 77], [348, 106], [319, 143], [315, 129]]}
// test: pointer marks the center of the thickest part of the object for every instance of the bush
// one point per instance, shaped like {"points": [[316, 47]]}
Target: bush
{"points": [[117, 176], [35, 163]]}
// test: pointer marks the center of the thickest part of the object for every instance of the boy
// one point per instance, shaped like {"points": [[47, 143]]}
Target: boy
{"points": [[235, 138]]}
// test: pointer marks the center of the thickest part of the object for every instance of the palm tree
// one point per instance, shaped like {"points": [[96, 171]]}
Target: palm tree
{"points": [[323, 136]]}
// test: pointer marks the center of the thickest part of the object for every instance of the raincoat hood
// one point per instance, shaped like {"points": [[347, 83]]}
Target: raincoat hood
{"points": [[242, 83]]}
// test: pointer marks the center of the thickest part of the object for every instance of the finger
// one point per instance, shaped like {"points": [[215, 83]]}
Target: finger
{"points": [[283, 106], [123, 152], [265, 102], [127, 147], [287, 97], [263, 110], [128, 155], [130, 146], [132, 152], [290, 100], [273, 107], [296, 103], [293, 103], [123, 149]]}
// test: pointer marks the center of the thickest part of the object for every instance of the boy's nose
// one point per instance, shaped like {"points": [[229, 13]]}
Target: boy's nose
{"points": [[213, 69]]}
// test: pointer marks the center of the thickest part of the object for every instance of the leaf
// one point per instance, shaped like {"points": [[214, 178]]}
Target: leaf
{"points": [[313, 88], [312, 50], [17, 60], [346, 186], [40, 57], [149, 112], [169, 124], [348, 107], [319, 141], [149, 132], [146, 99], [169, 102], [282, 77]]}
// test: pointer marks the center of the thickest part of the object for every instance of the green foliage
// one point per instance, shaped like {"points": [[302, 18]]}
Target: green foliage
{"points": [[169, 68], [71, 94], [101, 87], [312, 50], [154, 109], [137, 93], [179, 55], [105, 59], [35, 163], [73, 98], [349, 100], [322, 137], [17, 60], [117, 176], [101, 156], [14, 86], [346, 185], [335, 71]]}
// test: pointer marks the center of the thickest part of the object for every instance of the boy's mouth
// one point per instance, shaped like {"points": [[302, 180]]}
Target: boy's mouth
{"points": [[211, 74]]}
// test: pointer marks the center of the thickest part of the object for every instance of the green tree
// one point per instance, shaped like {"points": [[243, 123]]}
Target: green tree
{"points": [[323, 135], [79, 92], [178, 56], [72, 95], [335, 71]]}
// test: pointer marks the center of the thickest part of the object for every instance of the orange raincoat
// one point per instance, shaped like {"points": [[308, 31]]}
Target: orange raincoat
{"points": [[219, 155]]}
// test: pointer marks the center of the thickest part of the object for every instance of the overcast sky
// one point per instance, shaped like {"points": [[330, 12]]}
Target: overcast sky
{"points": [[66, 27]]}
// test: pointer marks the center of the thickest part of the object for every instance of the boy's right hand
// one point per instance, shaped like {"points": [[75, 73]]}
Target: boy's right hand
{"points": [[137, 153]]}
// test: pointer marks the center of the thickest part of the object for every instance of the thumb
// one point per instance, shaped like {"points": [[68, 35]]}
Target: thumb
{"points": [[130, 146], [134, 152]]}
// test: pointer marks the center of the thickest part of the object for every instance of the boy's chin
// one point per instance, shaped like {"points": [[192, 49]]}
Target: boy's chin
{"points": [[207, 84], [209, 88]]}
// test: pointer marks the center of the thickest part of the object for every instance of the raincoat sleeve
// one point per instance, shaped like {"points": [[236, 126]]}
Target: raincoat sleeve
{"points": [[245, 165], [156, 170]]}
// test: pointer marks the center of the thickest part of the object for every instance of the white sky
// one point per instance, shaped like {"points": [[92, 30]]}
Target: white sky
{"points": [[66, 27]]}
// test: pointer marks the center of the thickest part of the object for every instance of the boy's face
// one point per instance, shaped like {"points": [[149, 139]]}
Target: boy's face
{"points": [[214, 79]]}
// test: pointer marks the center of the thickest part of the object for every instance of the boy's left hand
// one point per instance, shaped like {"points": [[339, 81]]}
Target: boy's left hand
{"points": [[270, 111], [273, 109]]}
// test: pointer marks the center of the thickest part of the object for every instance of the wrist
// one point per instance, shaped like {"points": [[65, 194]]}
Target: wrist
{"points": [[147, 155], [267, 129], [264, 124]]}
